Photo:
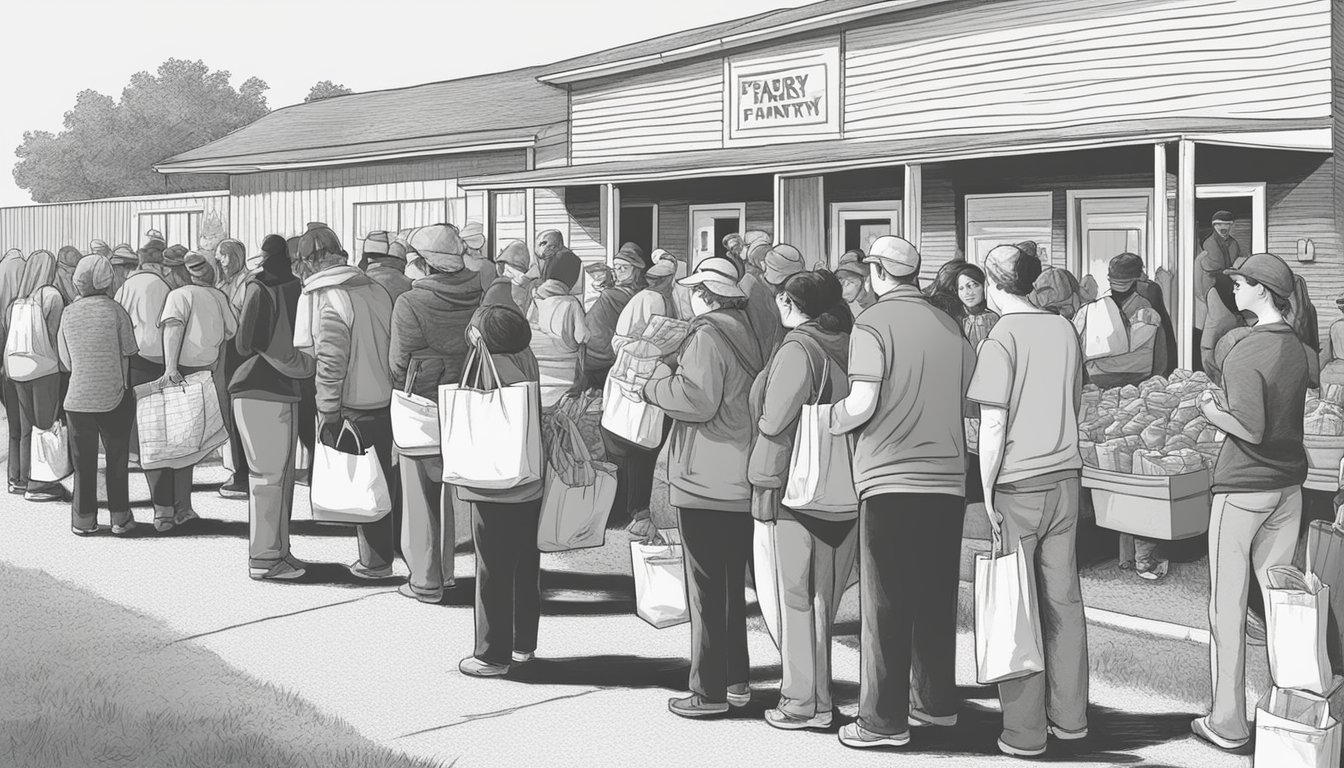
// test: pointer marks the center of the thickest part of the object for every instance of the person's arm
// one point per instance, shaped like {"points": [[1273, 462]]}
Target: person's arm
{"points": [[53, 307], [172, 324], [993, 440], [787, 390], [406, 338], [689, 399], [332, 350], [991, 388], [129, 346], [1244, 414], [230, 321], [62, 351], [249, 320], [867, 368]]}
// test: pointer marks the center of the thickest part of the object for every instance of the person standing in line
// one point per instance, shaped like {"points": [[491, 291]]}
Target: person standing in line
{"points": [[853, 276], [559, 333], [175, 266], [1257, 480], [233, 272], [1164, 347], [197, 322], [512, 288], [1220, 252], [781, 262], [555, 261], [710, 443], [1028, 382], [734, 246], [20, 445], [67, 258], [95, 343], [232, 276], [143, 296], [909, 366], [504, 522], [942, 293], [265, 390], [977, 319], [124, 262], [345, 319], [815, 548], [383, 267], [429, 349], [101, 248], [599, 353], [755, 246], [37, 380]]}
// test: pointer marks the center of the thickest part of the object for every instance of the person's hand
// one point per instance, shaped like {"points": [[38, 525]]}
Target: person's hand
{"points": [[329, 428], [1210, 403], [995, 524], [473, 334], [172, 378]]}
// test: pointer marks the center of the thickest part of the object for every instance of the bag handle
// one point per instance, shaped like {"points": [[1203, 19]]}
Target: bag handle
{"points": [[349, 429], [465, 379], [412, 370], [489, 358]]}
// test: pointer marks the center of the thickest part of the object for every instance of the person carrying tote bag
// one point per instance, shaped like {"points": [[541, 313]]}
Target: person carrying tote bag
{"points": [[348, 481], [491, 430]]}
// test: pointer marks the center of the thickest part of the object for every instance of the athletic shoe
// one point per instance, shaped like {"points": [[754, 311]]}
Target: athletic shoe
{"points": [[1201, 728], [75, 529], [855, 736], [18, 489], [361, 571], [695, 706], [739, 695], [233, 491], [1010, 750], [1056, 732], [163, 524], [186, 517], [49, 494], [285, 570], [919, 719], [522, 657], [124, 528], [474, 667], [786, 722], [432, 598]]}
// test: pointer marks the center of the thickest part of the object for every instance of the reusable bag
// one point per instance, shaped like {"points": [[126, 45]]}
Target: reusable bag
{"points": [[1325, 558], [821, 476], [348, 487], [29, 353], [179, 424], [1296, 614], [578, 493], [51, 454], [491, 433], [765, 564], [1102, 330], [415, 419], [1007, 621], [1296, 731], [635, 420], [660, 580]]}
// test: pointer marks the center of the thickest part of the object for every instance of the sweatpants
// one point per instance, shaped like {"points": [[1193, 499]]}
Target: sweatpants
{"points": [[20, 437], [508, 579], [716, 548]]}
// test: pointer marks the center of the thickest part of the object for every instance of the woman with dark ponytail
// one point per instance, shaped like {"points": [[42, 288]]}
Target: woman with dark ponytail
{"points": [[815, 549]]}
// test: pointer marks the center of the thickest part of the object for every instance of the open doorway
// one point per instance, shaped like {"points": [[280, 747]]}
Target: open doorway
{"points": [[639, 225], [1246, 203], [857, 225], [710, 224]]}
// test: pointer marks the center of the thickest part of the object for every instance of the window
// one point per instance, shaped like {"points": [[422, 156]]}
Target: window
{"points": [[993, 220], [177, 227], [508, 217], [400, 215]]}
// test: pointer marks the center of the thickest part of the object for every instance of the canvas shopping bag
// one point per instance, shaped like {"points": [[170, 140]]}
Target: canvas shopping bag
{"points": [[660, 582], [51, 454], [1102, 329], [179, 424], [1008, 641], [1297, 613], [765, 563], [491, 437], [348, 487], [635, 420], [1296, 731], [415, 419], [576, 501], [821, 475]]}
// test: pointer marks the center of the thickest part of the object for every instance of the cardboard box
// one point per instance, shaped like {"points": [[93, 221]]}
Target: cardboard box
{"points": [[1324, 452], [1166, 507]]}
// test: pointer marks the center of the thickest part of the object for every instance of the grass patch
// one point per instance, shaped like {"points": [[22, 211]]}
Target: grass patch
{"points": [[84, 681]]}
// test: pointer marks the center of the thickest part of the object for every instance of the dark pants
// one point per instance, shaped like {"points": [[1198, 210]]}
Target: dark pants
{"points": [[20, 437], [169, 489], [240, 474], [716, 547], [377, 540], [39, 403], [307, 418], [114, 429], [634, 473], [508, 579], [910, 562]]}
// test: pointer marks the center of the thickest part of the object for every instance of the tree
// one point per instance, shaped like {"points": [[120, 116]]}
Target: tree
{"points": [[325, 90], [108, 148]]}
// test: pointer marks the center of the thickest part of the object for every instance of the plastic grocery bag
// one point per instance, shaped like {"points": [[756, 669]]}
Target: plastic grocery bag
{"points": [[491, 434], [348, 486], [179, 424], [634, 420], [1101, 329], [764, 562], [51, 454], [660, 580], [1296, 731], [1008, 641], [578, 494], [1297, 613], [415, 419]]}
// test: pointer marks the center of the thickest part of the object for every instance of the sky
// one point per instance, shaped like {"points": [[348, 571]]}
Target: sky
{"points": [[292, 44]]}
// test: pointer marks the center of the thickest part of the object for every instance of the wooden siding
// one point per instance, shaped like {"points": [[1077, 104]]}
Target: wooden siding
{"points": [[667, 111], [51, 226], [939, 241], [1304, 207], [987, 68]]}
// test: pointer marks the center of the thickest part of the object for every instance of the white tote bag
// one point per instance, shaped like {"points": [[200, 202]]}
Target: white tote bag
{"points": [[578, 494], [635, 420], [415, 420], [1007, 623], [764, 576], [1296, 731], [821, 475], [660, 582], [179, 424], [1297, 615], [348, 487], [491, 433], [1101, 329], [51, 454]]}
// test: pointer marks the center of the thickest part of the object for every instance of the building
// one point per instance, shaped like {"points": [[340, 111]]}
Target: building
{"points": [[181, 218]]}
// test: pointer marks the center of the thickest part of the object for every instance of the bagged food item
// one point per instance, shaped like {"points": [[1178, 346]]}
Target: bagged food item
{"points": [[1154, 436], [1129, 393], [1183, 415], [1088, 449], [1324, 419]]}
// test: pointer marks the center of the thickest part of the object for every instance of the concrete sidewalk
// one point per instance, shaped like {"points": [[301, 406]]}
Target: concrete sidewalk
{"points": [[596, 694]]}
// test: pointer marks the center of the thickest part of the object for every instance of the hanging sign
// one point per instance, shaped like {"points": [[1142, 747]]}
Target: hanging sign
{"points": [[793, 95]]}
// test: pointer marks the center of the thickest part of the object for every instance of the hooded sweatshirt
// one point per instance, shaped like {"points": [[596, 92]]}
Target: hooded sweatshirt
{"points": [[345, 319], [260, 327], [11, 275], [384, 272], [429, 326], [599, 354], [712, 433], [1219, 254]]}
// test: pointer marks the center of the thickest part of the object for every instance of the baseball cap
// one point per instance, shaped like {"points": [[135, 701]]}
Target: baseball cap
{"points": [[1224, 217], [719, 275], [782, 262], [899, 257], [376, 243], [1268, 270]]}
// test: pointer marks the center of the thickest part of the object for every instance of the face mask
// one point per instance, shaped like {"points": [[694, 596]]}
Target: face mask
{"points": [[698, 305]]}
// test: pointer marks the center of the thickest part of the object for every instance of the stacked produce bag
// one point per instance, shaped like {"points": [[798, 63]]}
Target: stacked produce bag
{"points": [[1324, 415], [1154, 428]]}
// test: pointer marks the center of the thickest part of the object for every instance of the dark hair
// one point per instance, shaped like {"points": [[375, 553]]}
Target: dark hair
{"points": [[818, 295], [1281, 303], [1021, 281], [722, 302], [504, 331]]}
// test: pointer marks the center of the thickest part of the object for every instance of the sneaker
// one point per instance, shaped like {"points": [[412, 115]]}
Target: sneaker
{"points": [[75, 529], [739, 695], [432, 598], [47, 494], [1255, 630], [233, 491], [18, 489], [786, 722], [186, 517], [1056, 732], [919, 719], [163, 524], [124, 528], [1009, 749], [694, 706], [474, 667], [285, 570], [522, 657], [855, 736], [361, 571], [1201, 728]]}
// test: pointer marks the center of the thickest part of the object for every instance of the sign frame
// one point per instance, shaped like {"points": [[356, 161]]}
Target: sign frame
{"points": [[820, 65]]}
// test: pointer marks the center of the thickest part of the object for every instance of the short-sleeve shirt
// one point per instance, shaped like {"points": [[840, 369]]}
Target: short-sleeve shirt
{"points": [[94, 341], [207, 322], [915, 441], [1266, 376], [143, 295], [1032, 366]]}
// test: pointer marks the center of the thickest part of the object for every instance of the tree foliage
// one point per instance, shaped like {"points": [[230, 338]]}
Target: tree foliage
{"points": [[325, 90], [108, 148]]}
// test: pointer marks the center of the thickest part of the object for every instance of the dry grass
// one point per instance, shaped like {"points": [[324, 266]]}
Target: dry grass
{"points": [[85, 682]]}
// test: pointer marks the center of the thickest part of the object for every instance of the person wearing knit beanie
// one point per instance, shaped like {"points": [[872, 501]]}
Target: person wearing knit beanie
{"points": [[101, 248], [175, 266]]}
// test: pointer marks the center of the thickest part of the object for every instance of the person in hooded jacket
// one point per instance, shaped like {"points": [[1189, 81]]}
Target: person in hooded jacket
{"points": [[555, 261], [383, 267], [599, 354], [94, 343], [265, 390], [345, 318], [710, 442], [232, 276], [67, 258], [428, 349], [11, 276], [512, 286], [37, 383], [559, 333], [815, 549]]}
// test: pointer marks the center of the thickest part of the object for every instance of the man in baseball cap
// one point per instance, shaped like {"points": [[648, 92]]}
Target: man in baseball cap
{"points": [[897, 257]]}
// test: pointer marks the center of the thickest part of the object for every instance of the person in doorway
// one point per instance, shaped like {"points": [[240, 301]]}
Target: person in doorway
{"points": [[231, 256], [853, 275], [67, 258], [94, 342], [1257, 493], [197, 323], [345, 319], [598, 353], [265, 390], [124, 262], [36, 372], [909, 366], [20, 444], [710, 443], [555, 261], [1029, 384], [512, 288], [429, 349], [559, 333], [977, 319], [815, 548], [504, 522], [383, 267], [1220, 252]]}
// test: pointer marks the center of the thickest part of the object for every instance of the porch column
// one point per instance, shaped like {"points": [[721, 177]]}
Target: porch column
{"points": [[912, 204], [800, 217], [610, 217], [1186, 235], [1158, 247]]}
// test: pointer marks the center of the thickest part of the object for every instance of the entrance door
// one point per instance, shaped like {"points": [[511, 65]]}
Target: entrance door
{"points": [[710, 224], [1107, 226], [177, 227], [854, 226], [639, 225]]}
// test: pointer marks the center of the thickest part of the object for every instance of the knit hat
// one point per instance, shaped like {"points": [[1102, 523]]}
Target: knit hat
{"points": [[1124, 271], [851, 263], [68, 256], [99, 247], [441, 247], [718, 275], [376, 243], [175, 256], [664, 264], [1268, 270], [782, 262], [200, 267], [123, 256], [151, 252], [93, 275], [318, 238], [1028, 247], [514, 253], [633, 255], [473, 234], [899, 257]]}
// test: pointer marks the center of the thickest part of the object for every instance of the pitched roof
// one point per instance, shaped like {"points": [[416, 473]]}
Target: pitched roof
{"points": [[474, 113]]}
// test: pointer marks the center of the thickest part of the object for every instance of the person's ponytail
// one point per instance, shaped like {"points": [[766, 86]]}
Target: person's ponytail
{"points": [[819, 295]]}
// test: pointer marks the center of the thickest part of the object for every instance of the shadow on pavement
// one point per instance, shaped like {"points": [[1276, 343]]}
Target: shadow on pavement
{"points": [[606, 672], [237, 529]]}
